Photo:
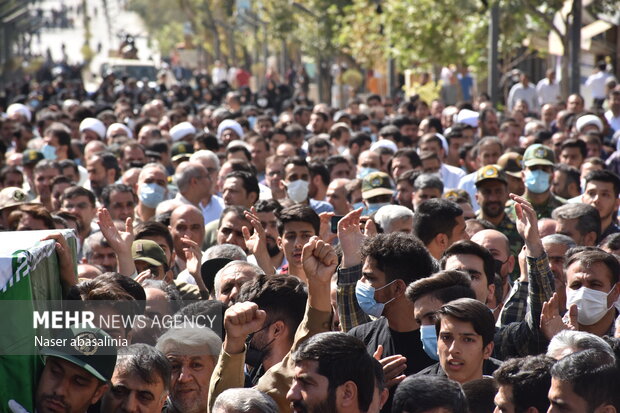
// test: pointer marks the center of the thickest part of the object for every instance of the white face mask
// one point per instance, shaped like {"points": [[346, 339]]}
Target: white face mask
{"points": [[591, 304], [297, 190]]}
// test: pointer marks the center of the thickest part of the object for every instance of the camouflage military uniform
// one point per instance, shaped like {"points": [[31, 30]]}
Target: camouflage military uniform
{"points": [[542, 210], [509, 229]]}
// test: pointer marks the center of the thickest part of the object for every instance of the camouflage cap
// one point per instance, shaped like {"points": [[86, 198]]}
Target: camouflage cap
{"points": [[511, 163], [13, 196], [489, 172], [31, 157], [538, 154], [376, 184], [148, 251]]}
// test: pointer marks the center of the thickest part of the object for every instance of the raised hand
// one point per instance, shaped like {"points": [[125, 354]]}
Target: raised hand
{"points": [[118, 240], [241, 320], [393, 367], [65, 260], [325, 231], [319, 261], [527, 225], [351, 238], [551, 322], [256, 243], [193, 261]]}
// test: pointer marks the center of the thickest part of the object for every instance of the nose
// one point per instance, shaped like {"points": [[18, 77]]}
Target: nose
{"points": [[294, 392], [130, 404], [185, 374]]}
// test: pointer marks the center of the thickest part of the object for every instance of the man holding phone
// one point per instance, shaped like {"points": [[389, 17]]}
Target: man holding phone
{"points": [[149, 259]]}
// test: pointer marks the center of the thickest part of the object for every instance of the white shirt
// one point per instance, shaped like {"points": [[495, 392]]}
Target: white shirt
{"points": [[596, 83], [213, 209], [614, 122], [528, 94], [450, 175], [468, 183], [547, 92]]}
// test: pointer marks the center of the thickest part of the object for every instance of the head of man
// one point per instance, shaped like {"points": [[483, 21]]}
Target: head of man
{"points": [[489, 124], [602, 191], [186, 221], [573, 152], [488, 150], [57, 138], [192, 353], [240, 188], [404, 160], [523, 384], [465, 330], [73, 380], [581, 222], [499, 247], [81, 203], [429, 394], [97, 251], [425, 187], [571, 341], [267, 211], [575, 104], [120, 200], [386, 271], [193, 181], [584, 382], [475, 260], [429, 294], [229, 280], [283, 298], [368, 161], [44, 172], [592, 285], [296, 225], [556, 246], [491, 191], [103, 170], [566, 181], [152, 185], [333, 373], [229, 229], [29, 218], [538, 162], [158, 232], [337, 196], [140, 383], [242, 399], [439, 223], [394, 218], [147, 255], [296, 179]]}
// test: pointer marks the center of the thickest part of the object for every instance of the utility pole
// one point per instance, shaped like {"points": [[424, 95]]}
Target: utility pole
{"points": [[493, 79], [575, 41]]}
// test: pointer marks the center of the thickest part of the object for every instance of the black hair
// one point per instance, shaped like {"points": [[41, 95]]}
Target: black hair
{"points": [[154, 229], [145, 361], [75, 191], [319, 168], [393, 254], [418, 394], [250, 182], [299, 213], [444, 286], [281, 297], [433, 217], [122, 188], [530, 379], [341, 358], [471, 311], [593, 376], [467, 247], [605, 176]]}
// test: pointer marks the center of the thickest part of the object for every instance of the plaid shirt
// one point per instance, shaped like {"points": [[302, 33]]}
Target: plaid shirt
{"points": [[515, 307], [349, 311], [524, 337]]}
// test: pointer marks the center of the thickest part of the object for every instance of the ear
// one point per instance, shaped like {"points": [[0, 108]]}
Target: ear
{"points": [[254, 195], [346, 395], [441, 240], [613, 295], [488, 350], [384, 397], [511, 264], [401, 287], [477, 198], [590, 238], [279, 243], [101, 390], [491, 288], [608, 408], [279, 329]]}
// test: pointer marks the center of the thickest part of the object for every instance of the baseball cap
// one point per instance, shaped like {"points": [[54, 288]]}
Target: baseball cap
{"points": [[489, 172], [13, 196], [376, 184], [89, 348], [181, 150], [511, 163], [538, 154], [148, 251], [31, 157], [209, 269]]}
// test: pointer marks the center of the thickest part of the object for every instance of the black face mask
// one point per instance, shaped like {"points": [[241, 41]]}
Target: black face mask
{"points": [[498, 266], [254, 356]]}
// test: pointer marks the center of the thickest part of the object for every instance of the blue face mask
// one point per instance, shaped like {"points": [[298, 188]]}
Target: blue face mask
{"points": [[537, 181], [252, 121], [365, 295], [365, 171], [151, 194], [428, 335], [358, 205], [49, 152], [372, 208]]}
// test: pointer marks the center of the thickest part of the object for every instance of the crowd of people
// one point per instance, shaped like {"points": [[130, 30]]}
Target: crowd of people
{"points": [[382, 257]]}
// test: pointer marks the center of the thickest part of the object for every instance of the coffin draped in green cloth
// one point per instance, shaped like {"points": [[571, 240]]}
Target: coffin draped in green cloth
{"points": [[29, 276]]}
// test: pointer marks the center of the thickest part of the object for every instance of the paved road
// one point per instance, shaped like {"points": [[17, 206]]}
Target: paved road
{"points": [[104, 30]]}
